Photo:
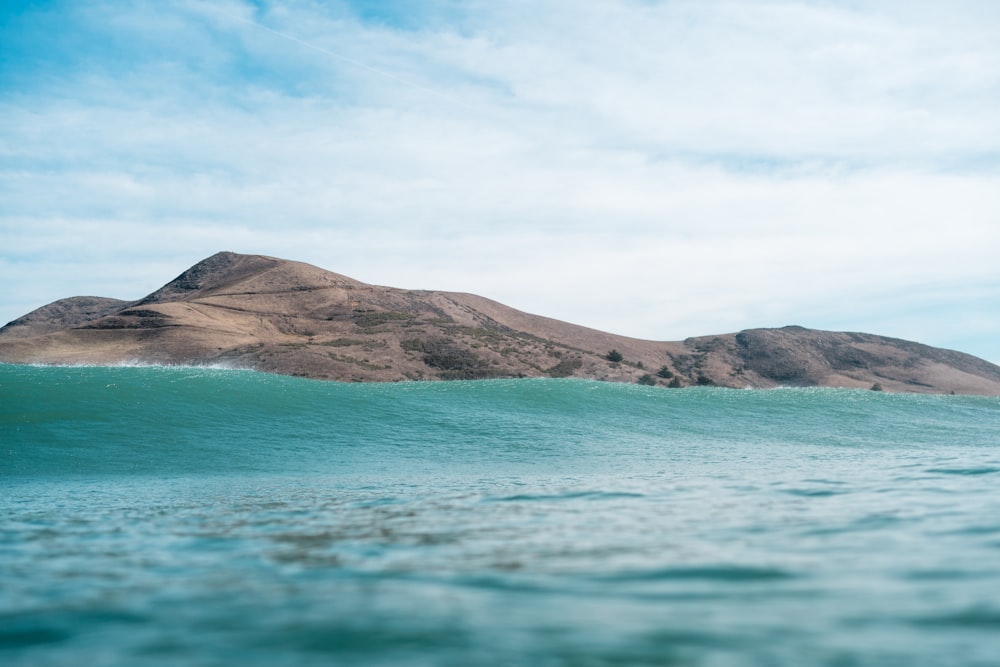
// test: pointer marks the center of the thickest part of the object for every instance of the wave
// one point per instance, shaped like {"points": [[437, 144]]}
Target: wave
{"points": [[160, 419]]}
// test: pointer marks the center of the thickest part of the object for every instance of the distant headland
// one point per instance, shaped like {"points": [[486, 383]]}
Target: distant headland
{"points": [[286, 317]]}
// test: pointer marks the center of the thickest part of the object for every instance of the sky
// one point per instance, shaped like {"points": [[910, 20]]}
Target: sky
{"points": [[657, 169]]}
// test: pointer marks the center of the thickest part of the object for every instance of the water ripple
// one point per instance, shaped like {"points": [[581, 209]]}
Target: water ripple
{"points": [[721, 573], [964, 471], [570, 495]]}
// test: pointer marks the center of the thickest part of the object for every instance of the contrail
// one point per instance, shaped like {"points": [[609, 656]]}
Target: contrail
{"points": [[352, 61]]}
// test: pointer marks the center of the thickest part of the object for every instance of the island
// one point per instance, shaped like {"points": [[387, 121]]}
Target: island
{"points": [[292, 318]]}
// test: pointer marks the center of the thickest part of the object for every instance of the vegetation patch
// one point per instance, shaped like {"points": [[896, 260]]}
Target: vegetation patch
{"points": [[485, 335], [142, 312], [370, 319], [564, 368], [688, 364], [363, 363], [453, 362], [343, 342], [709, 345], [413, 344]]}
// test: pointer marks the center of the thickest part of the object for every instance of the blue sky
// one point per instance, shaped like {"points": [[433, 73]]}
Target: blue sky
{"points": [[655, 169]]}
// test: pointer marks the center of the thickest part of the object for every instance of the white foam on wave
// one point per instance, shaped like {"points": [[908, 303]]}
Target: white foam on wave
{"points": [[140, 363], [215, 365]]}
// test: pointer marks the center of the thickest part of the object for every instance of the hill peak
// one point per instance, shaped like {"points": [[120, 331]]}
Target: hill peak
{"points": [[221, 270]]}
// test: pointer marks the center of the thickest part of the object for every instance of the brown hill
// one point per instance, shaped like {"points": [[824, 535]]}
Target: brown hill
{"points": [[296, 319]]}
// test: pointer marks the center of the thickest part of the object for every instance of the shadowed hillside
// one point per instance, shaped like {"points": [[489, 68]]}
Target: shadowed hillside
{"points": [[296, 319]]}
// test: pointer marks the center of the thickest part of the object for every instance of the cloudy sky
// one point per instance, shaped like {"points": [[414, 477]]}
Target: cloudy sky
{"points": [[659, 169]]}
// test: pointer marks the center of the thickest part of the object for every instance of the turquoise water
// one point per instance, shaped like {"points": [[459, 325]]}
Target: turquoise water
{"points": [[186, 516]]}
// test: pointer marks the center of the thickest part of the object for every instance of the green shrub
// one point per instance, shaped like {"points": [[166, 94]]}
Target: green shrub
{"points": [[647, 380], [614, 355], [664, 373]]}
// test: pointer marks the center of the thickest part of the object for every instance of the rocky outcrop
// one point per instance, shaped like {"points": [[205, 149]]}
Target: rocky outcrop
{"points": [[293, 318]]}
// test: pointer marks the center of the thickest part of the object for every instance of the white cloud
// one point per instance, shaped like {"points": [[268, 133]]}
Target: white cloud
{"points": [[655, 169]]}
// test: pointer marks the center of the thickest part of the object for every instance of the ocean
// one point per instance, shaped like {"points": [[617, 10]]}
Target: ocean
{"points": [[197, 516]]}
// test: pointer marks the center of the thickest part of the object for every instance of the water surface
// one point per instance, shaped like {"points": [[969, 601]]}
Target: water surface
{"points": [[184, 516]]}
